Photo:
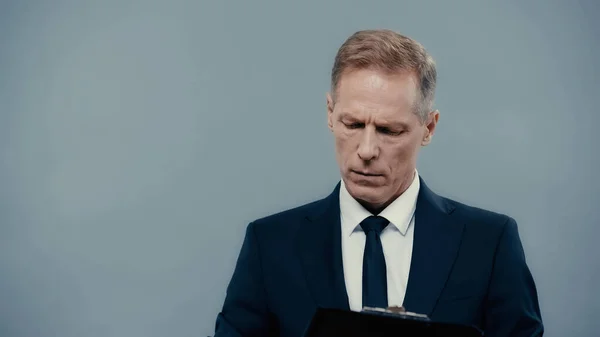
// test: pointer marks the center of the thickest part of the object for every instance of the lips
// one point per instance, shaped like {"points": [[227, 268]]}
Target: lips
{"points": [[366, 173]]}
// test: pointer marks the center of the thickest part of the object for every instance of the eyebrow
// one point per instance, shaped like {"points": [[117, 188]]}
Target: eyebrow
{"points": [[346, 115]]}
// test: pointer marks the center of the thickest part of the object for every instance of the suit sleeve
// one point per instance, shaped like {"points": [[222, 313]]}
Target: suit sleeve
{"points": [[245, 312], [512, 308]]}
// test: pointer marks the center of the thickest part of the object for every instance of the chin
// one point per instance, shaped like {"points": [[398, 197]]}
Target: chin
{"points": [[367, 193]]}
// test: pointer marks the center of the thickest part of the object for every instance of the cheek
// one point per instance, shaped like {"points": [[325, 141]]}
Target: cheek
{"points": [[343, 143], [339, 149], [401, 155], [344, 150]]}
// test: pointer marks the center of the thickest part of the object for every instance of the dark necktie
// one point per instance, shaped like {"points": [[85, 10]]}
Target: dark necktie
{"points": [[374, 287]]}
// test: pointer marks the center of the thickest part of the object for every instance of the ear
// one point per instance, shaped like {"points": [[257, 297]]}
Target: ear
{"points": [[330, 107], [430, 127]]}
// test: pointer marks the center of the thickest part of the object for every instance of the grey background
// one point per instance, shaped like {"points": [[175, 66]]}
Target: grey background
{"points": [[138, 139]]}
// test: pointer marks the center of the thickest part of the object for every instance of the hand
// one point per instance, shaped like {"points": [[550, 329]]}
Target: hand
{"points": [[396, 309]]}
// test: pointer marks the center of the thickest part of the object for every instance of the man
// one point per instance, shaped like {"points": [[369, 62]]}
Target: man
{"points": [[382, 237]]}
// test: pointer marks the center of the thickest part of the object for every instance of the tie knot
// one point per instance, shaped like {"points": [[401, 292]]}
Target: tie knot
{"points": [[374, 224]]}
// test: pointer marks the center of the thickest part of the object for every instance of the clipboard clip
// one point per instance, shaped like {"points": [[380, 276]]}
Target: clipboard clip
{"points": [[397, 312]]}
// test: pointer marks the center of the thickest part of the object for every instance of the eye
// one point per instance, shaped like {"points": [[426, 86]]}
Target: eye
{"points": [[354, 125], [389, 132]]}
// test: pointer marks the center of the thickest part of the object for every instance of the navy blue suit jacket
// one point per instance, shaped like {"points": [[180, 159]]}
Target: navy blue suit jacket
{"points": [[468, 266]]}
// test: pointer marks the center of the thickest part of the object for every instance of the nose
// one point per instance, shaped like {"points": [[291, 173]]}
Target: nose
{"points": [[368, 148]]}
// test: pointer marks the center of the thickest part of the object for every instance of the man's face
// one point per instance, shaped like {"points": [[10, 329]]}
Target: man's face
{"points": [[377, 134]]}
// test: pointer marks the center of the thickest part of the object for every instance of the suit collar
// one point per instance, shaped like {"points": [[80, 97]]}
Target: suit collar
{"points": [[319, 246], [437, 238]]}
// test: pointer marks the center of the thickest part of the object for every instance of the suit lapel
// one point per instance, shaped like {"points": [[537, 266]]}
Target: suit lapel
{"points": [[320, 251], [436, 242]]}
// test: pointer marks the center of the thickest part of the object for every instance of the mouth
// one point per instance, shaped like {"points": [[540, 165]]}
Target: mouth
{"points": [[366, 173]]}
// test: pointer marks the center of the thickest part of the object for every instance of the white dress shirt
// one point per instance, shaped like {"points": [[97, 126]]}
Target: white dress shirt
{"points": [[396, 239]]}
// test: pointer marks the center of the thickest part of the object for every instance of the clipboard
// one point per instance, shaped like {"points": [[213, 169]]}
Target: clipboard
{"points": [[373, 323]]}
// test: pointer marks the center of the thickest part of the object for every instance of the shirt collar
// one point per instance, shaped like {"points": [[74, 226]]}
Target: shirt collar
{"points": [[399, 213]]}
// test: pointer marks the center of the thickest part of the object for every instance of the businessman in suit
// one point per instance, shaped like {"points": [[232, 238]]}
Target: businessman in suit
{"points": [[382, 237]]}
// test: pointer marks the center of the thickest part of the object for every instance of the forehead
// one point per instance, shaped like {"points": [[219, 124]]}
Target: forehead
{"points": [[368, 91]]}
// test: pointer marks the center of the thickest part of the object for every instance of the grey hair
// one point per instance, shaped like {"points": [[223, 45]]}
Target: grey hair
{"points": [[392, 52]]}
